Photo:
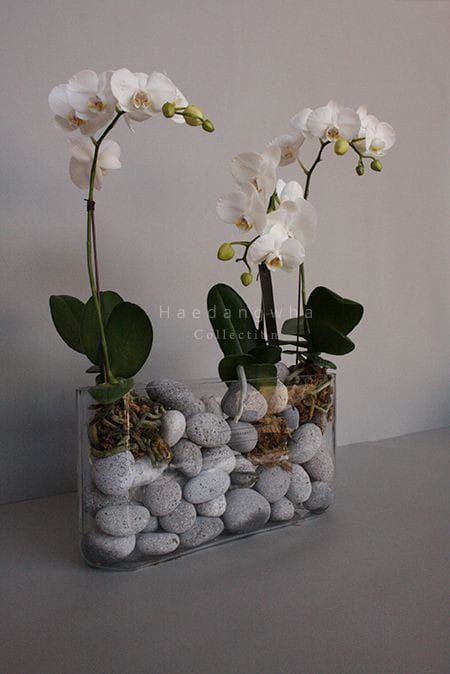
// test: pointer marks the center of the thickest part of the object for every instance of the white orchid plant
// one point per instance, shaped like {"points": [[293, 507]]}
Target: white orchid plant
{"points": [[115, 335], [283, 222]]}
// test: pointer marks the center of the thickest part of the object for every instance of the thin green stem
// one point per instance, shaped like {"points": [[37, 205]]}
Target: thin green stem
{"points": [[92, 264]]}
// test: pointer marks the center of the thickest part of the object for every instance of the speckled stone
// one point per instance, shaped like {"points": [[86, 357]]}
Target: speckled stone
{"points": [[206, 486], [305, 443], [221, 458], [187, 457], [300, 487], [192, 407], [255, 405], [162, 496], [204, 530], [244, 473], [157, 543], [279, 399], [94, 500], [212, 405], [247, 510], [152, 525], [208, 430], [173, 425], [145, 472], [282, 371], [321, 466], [321, 497], [292, 417], [214, 508], [273, 482], [174, 395], [179, 520], [244, 436], [100, 548], [122, 520], [282, 510], [114, 474]]}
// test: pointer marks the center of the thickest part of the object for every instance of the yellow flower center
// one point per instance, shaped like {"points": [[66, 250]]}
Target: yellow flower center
{"points": [[75, 121], [96, 105], [376, 146], [275, 263], [243, 224], [141, 100], [332, 133], [288, 153]]}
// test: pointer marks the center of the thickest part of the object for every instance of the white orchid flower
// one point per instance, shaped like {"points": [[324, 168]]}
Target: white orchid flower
{"points": [[82, 154], [258, 169], [365, 119], [289, 144], [142, 96], [277, 250], [379, 137], [84, 103], [299, 122], [244, 208], [332, 121], [298, 215]]}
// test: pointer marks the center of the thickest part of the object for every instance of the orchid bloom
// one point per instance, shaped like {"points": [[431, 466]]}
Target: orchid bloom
{"points": [[142, 96], [289, 144], [299, 122], [276, 249], [258, 169], [244, 208], [379, 137], [85, 102], [332, 121], [82, 154], [299, 216]]}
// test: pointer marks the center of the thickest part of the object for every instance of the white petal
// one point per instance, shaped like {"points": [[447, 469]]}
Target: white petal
{"points": [[79, 173], [272, 155], [291, 192], [348, 123], [292, 254], [85, 81], [334, 110], [161, 90], [179, 102], [123, 86], [387, 133], [320, 120], [231, 207], [289, 145], [256, 211], [280, 186], [57, 100], [299, 121], [260, 249], [302, 221], [82, 149], [245, 166], [62, 123], [109, 154]]}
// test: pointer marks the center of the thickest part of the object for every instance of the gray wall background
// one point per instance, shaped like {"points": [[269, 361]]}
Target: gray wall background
{"points": [[383, 239]]}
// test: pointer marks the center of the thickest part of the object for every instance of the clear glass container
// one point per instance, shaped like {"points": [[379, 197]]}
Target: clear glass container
{"points": [[174, 467]]}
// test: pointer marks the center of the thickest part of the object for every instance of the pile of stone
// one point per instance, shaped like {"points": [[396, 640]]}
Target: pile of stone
{"points": [[136, 510]]}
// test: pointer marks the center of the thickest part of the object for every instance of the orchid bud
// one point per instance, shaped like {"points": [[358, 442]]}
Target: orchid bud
{"points": [[193, 115], [360, 169], [208, 126], [225, 252], [376, 165], [246, 278], [341, 146], [168, 109]]}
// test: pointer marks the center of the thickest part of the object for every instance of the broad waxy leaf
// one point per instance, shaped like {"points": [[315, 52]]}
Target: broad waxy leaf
{"points": [[327, 338], [228, 366], [293, 326], [129, 335], [110, 393], [90, 332], [66, 314], [266, 354], [326, 306], [232, 321], [262, 376]]}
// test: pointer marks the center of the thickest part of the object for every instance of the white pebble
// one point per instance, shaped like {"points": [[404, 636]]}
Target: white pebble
{"points": [[162, 496], [206, 486], [122, 520], [219, 458], [157, 544], [300, 487], [173, 425], [214, 508], [282, 510], [114, 475]]}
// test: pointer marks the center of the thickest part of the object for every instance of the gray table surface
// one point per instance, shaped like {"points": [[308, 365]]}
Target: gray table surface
{"points": [[359, 589]]}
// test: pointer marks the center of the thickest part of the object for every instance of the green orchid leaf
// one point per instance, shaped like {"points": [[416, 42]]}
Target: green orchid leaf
{"points": [[110, 393], [328, 339], [66, 314], [129, 335], [90, 331], [261, 375], [232, 321], [266, 354], [320, 362], [228, 366], [325, 306], [293, 326]]}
